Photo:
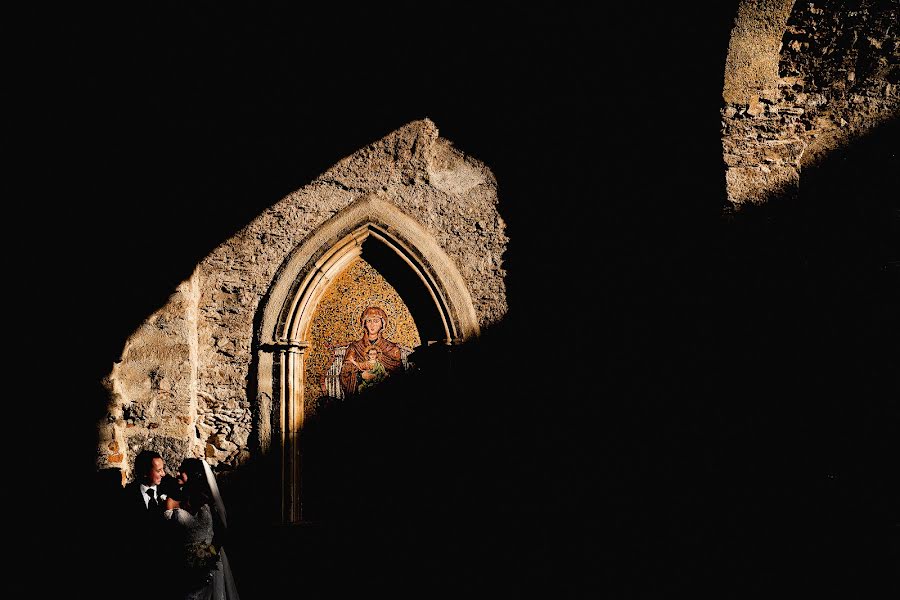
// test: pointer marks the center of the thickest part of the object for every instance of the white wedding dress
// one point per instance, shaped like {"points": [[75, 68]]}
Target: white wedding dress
{"points": [[209, 569]]}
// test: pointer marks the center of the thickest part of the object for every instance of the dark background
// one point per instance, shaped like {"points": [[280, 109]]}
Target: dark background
{"points": [[681, 399]]}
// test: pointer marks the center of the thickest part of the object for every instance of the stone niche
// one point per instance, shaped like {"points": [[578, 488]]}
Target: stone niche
{"points": [[230, 366]]}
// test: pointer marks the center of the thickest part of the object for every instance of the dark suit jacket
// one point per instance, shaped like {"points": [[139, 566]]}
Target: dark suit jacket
{"points": [[133, 498], [146, 534], [143, 526]]}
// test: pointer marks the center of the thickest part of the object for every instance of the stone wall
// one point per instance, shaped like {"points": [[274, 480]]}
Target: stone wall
{"points": [[838, 68], [181, 386]]}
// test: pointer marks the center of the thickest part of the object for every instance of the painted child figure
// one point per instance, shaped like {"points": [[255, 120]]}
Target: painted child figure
{"points": [[371, 371]]}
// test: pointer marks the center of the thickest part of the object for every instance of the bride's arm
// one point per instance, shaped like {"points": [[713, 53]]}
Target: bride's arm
{"points": [[170, 504]]}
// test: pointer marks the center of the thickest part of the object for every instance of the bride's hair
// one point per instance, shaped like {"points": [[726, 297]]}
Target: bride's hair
{"points": [[196, 490], [193, 467]]}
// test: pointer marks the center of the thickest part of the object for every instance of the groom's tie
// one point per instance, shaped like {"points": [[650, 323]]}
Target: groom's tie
{"points": [[152, 504]]}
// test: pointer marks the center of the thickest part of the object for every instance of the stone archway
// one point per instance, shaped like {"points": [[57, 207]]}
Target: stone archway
{"points": [[217, 370], [283, 334], [802, 79]]}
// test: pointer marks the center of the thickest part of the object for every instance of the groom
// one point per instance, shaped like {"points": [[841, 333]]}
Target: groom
{"points": [[143, 504]]}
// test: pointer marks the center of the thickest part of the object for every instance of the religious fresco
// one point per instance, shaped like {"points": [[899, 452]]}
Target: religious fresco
{"points": [[360, 304], [369, 360]]}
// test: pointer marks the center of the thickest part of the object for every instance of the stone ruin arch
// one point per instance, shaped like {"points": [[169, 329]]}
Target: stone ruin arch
{"points": [[802, 79], [217, 371], [287, 315]]}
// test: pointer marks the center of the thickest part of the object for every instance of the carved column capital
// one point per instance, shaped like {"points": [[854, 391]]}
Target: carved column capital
{"points": [[285, 345]]}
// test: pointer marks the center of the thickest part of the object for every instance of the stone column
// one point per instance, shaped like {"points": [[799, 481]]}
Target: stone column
{"points": [[289, 364]]}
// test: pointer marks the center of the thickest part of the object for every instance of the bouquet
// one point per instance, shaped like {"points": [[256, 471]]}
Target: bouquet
{"points": [[202, 555], [202, 560]]}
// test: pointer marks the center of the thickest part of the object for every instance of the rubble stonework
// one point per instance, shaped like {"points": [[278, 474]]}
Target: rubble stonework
{"points": [[181, 385], [838, 68]]}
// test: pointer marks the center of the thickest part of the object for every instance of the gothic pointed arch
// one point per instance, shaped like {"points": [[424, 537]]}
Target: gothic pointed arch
{"points": [[299, 286], [326, 252], [218, 370]]}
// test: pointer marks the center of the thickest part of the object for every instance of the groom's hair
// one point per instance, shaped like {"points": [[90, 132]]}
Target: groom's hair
{"points": [[143, 463]]}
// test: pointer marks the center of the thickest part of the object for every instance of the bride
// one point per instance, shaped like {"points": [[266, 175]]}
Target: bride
{"points": [[197, 518]]}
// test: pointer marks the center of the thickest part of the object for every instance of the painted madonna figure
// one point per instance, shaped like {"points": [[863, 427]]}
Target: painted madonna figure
{"points": [[371, 358], [197, 520]]}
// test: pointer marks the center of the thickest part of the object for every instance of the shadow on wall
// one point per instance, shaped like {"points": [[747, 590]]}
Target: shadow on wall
{"points": [[682, 402], [723, 419], [735, 431]]}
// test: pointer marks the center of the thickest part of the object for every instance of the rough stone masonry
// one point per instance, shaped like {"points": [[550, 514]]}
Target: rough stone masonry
{"points": [[180, 387], [803, 78]]}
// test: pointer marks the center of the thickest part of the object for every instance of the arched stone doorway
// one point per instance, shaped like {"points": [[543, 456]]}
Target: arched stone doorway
{"points": [[429, 281], [218, 370]]}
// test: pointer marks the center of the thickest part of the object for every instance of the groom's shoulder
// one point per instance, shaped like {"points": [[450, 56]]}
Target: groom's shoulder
{"points": [[131, 489]]}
